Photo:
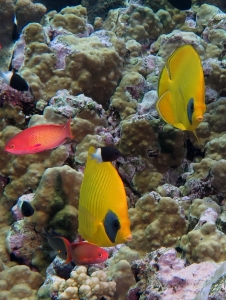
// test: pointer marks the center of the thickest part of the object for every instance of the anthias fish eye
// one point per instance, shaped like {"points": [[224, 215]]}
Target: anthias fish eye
{"points": [[11, 146], [100, 254]]}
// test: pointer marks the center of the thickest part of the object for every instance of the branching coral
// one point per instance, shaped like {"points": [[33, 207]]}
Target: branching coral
{"points": [[80, 286]]}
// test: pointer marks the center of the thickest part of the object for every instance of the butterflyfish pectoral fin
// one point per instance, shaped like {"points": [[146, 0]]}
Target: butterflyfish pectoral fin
{"points": [[164, 107], [179, 126], [85, 213], [88, 224]]}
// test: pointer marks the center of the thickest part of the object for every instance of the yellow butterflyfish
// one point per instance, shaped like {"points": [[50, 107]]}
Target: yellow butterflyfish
{"points": [[103, 212], [181, 89]]}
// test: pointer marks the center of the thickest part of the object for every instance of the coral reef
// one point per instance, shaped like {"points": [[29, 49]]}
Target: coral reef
{"points": [[79, 64], [104, 78]]}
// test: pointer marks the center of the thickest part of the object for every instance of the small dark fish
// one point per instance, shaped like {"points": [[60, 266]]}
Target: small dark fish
{"points": [[26, 209], [15, 33], [57, 244], [105, 154], [181, 4], [14, 80]]}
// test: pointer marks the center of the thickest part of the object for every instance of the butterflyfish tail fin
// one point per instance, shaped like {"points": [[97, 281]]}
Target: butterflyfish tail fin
{"points": [[179, 126]]}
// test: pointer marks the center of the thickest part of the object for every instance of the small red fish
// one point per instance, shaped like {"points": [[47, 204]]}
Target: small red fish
{"points": [[39, 138], [83, 253]]}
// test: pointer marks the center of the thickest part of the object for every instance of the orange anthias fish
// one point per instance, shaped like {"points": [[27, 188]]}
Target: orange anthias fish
{"points": [[83, 253], [39, 138]]}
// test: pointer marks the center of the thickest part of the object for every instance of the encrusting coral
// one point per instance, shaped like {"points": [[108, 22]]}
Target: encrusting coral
{"points": [[56, 201], [19, 282], [27, 12], [155, 224], [56, 59], [119, 270]]}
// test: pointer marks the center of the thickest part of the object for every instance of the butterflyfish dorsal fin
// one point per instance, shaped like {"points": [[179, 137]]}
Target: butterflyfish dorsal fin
{"points": [[164, 81], [179, 126]]}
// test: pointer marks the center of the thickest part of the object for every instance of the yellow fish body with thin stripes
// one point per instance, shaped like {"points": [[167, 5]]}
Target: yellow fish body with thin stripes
{"points": [[181, 89], [103, 212]]}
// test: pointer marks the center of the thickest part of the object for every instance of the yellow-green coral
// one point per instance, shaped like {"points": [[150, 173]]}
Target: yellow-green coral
{"points": [[155, 224], [122, 100], [56, 200], [19, 282], [87, 62], [28, 12], [206, 243], [72, 19]]}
